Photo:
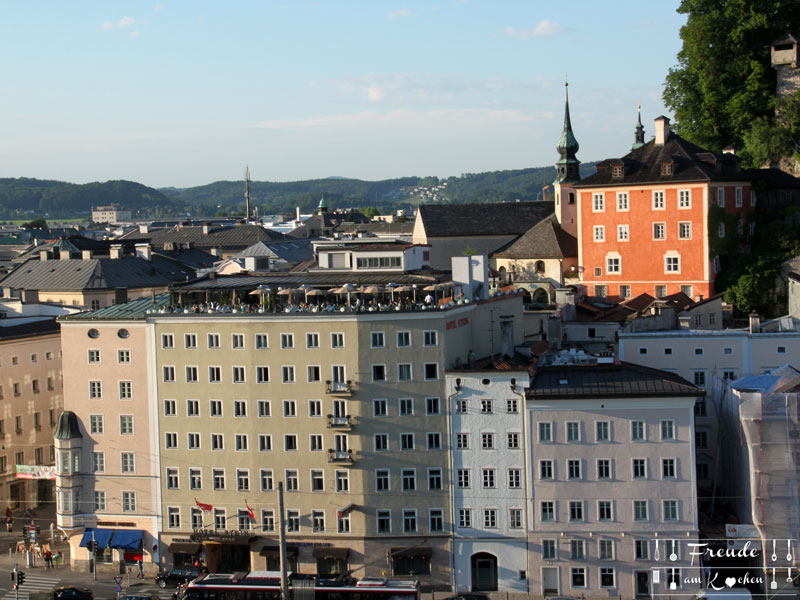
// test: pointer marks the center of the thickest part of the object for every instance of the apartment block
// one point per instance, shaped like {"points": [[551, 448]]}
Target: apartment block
{"points": [[30, 402], [487, 407], [346, 410], [612, 497]]}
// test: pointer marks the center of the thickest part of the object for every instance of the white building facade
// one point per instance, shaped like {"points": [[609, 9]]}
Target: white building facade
{"points": [[489, 481]]}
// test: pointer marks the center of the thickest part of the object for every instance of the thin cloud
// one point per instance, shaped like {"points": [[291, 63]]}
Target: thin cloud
{"points": [[546, 28], [374, 93], [403, 12], [133, 34], [467, 117], [107, 26], [126, 22]]}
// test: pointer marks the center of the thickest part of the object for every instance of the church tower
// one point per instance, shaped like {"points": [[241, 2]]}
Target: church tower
{"points": [[568, 173], [638, 136]]}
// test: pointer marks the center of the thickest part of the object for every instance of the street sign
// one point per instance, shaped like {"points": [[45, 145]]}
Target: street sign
{"points": [[741, 530], [117, 580], [118, 589]]}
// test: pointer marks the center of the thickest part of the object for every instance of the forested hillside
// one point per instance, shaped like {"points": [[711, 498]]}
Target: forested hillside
{"points": [[23, 197], [26, 198]]}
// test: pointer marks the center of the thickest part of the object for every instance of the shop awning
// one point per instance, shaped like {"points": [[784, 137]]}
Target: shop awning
{"points": [[337, 553], [184, 547], [274, 550], [126, 538], [418, 551], [101, 536]]}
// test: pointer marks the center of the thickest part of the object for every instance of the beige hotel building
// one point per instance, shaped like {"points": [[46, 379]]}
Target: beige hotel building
{"points": [[179, 426]]}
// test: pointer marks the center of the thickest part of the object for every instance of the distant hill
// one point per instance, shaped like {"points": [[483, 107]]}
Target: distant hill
{"points": [[387, 194], [24, 197]]}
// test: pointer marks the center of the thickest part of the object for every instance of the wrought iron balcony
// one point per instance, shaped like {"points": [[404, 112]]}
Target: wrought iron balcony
{"points": [[339, 388], [344, 457], [339, 422]]}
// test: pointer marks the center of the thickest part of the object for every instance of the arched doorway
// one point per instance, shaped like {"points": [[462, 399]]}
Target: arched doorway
{"points": [[484, 572], [541, 296]]}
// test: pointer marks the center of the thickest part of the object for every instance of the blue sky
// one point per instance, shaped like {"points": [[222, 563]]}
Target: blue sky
{"points": [[186, 93]]}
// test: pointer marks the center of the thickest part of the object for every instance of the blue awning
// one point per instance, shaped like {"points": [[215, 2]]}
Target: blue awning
{"points": [[129, 539], [101, 536]]}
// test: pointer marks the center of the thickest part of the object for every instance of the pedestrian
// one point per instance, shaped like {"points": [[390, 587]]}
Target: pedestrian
{"points": [[8, 512], [140, 566], [48, 560], [57, 558]]}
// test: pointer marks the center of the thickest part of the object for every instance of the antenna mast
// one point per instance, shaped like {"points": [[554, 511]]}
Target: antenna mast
{"points": [[247, 193]]}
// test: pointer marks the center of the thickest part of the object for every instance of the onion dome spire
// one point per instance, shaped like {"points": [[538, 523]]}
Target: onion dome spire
{"points": [[567, 164]]}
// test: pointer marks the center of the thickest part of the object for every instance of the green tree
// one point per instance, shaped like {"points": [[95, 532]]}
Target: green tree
{"points": [[724, 81], [774, 137], [38, 223]]}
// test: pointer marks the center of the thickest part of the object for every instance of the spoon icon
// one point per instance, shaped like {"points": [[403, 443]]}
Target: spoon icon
{"points": [[789, 550], [656, 554], [673, 546], [774, 556]]}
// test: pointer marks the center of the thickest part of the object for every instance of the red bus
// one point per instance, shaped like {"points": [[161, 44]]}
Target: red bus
{"points": [[266, 585]]}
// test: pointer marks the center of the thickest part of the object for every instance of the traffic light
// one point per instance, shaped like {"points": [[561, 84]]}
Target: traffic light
{"points": [[20, 578], [24, 531], [90, 546]]}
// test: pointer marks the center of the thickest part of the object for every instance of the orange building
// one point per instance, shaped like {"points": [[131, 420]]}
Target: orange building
{"points": [[662, 218]]}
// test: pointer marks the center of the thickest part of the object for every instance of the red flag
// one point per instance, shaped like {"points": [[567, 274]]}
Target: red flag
{"points": [[204, 507], [250, 511]]}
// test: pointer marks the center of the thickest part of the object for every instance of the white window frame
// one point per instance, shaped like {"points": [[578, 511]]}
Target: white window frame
{"points": [[623, 202], [598, 202], [659, 198]]}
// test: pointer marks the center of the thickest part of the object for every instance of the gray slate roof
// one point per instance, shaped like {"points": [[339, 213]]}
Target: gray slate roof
{"points": [[607, 381], [226, 236], [93, 274], [29, 329], [378, 228], [288, 250], [546, 239], [691, 163], [499, 218]]}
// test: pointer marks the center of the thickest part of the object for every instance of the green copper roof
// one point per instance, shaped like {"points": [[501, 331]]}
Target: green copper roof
{"points": [[135, 309], [322, 203], [567, 144]]}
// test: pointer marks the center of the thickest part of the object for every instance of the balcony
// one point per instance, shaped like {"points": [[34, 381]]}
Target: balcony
{"points": [[339, 388], [342, 457], [339, 422]]}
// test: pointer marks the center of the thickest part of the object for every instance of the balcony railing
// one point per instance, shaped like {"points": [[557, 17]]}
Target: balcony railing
{"points": [[339, 388], [344, 457], [339, 422]]}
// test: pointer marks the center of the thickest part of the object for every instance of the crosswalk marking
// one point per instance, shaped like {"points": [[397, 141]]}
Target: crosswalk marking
{"points": [[33, 583]]}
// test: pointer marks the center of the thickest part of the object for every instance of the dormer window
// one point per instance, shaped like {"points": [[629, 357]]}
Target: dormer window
{"points": [[617, 171], [667, 167]]}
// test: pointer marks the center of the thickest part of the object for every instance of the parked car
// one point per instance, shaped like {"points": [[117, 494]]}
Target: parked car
{"points": [[69, 592], [178, 575]]}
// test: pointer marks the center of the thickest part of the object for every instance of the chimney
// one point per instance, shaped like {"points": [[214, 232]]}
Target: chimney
{"points": [[216, 252], [144, 228], [206, 228], [755, 322], [44, 255], [143, 251], [507, 336], [115, 251], [64, 254], [297, 214], [86, 255], [662, 130]]}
